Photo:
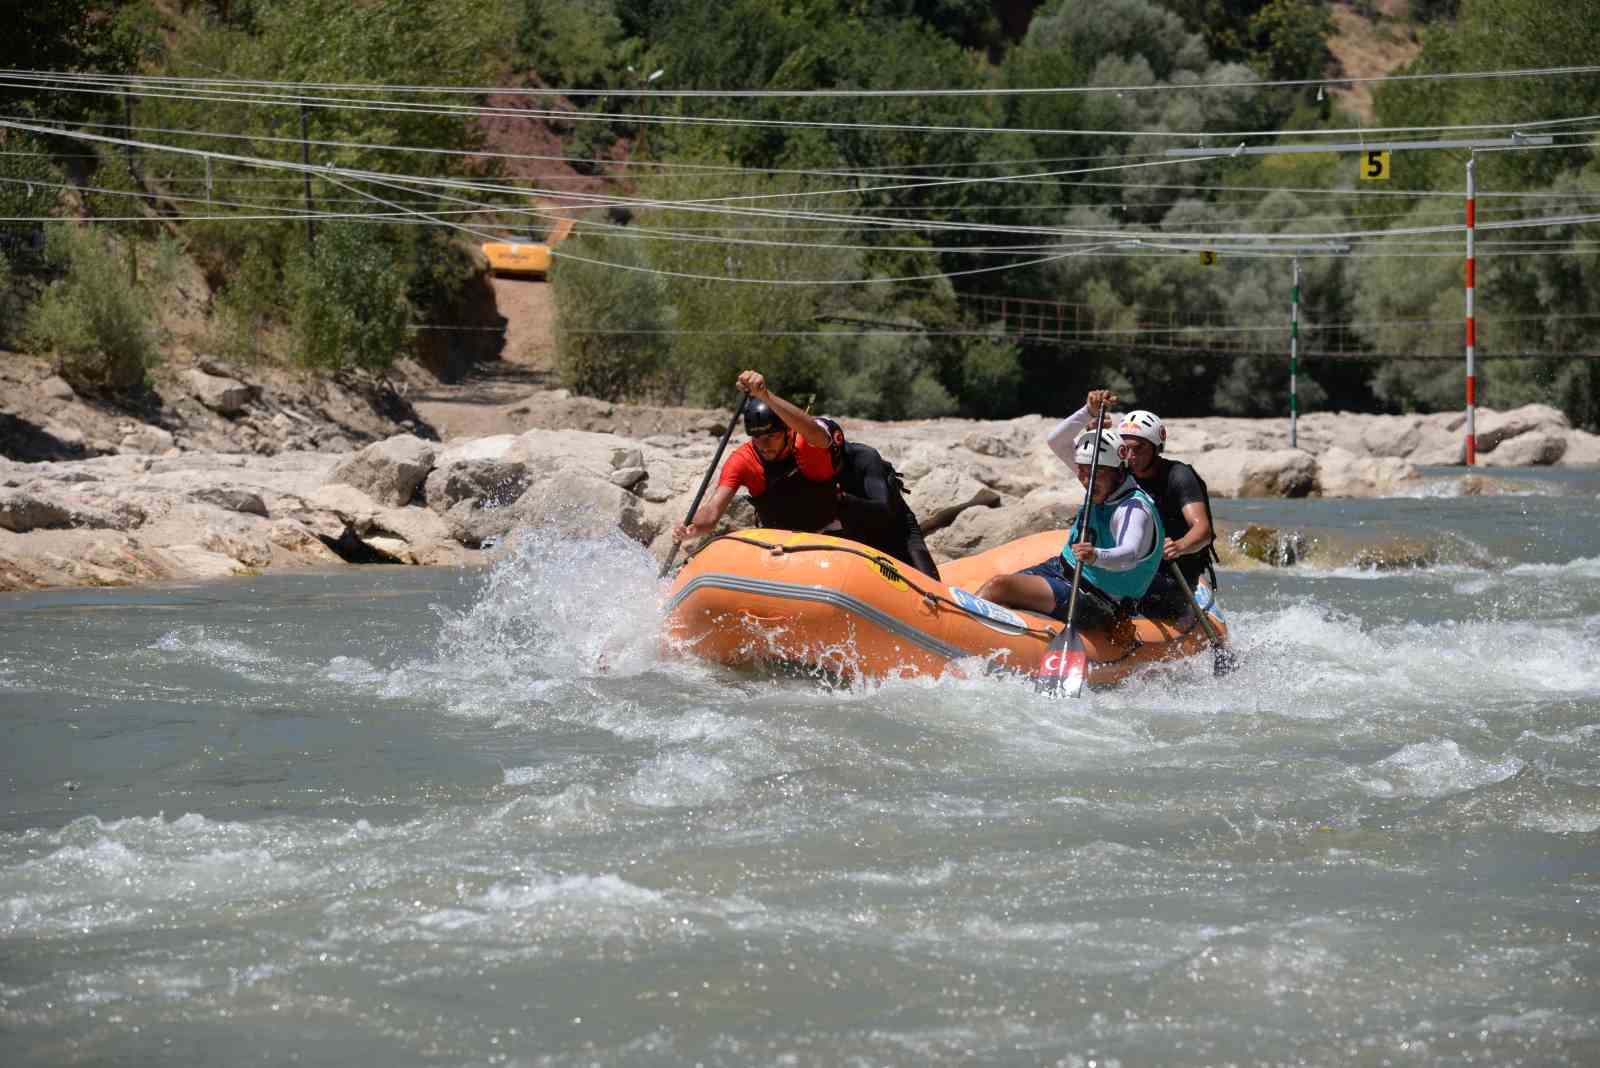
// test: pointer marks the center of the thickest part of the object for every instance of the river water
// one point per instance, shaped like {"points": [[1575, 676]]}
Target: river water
{"points": [[403, 816]]}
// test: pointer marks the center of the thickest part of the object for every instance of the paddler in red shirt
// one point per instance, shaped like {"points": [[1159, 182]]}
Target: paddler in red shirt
{"points": [[789, 467]]}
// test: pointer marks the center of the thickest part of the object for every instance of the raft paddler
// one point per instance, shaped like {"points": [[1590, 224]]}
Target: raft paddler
{"points": [[790, 467], [873, 508], [1183, 502], [1120, 551]]}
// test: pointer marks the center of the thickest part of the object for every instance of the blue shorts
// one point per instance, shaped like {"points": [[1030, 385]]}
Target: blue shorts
{"points": [[1059, 576]]}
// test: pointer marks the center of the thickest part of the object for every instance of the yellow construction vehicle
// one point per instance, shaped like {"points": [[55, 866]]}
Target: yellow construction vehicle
{"points": [[525, 259]]}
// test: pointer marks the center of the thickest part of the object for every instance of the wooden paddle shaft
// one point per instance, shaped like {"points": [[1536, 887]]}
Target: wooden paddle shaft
{"points": [[1205, 620], [705, 483], [1084, 533]]}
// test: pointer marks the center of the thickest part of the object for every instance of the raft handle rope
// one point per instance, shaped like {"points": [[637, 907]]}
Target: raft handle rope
{"points": [[884, 564], [890, 571]]}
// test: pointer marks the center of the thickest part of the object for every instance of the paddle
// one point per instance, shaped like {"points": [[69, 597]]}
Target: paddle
{"points": [[705, 483], [1223, 660], [1066, 661]]}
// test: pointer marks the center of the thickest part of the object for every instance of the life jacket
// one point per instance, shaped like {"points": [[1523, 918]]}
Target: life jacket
{"points": [[1193, 565], [1134, 581], [791, 501]]}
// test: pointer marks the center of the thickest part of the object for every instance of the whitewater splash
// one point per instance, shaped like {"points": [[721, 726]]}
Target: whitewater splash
{"points": [[560, 606]]}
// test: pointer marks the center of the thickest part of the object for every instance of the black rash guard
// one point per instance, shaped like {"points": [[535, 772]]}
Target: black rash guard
{"points": [[1173, 486], [874, 512]]}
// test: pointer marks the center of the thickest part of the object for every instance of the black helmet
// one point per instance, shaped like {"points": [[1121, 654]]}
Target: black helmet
{"points": [[760, 419]]}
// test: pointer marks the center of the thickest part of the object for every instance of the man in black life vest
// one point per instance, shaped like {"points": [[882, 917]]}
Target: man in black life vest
{"points": [[1183, 502], [789, 467], [873, 509]]}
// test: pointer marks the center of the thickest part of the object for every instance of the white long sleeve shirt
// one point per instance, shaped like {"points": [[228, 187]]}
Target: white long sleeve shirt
{"points": [[1131, 521]]}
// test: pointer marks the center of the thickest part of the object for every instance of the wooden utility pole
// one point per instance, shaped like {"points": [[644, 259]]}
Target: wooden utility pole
{"points": [[305, 158]]}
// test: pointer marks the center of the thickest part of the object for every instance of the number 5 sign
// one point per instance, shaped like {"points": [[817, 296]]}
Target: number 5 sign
{"points": [[1375, 166]]}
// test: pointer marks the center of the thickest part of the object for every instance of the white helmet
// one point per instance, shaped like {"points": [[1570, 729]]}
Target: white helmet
{"points": [[1143, 424], [1110, 448]]}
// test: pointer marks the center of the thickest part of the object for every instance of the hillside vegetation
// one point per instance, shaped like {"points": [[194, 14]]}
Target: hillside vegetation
{"points": [[854, 244]]}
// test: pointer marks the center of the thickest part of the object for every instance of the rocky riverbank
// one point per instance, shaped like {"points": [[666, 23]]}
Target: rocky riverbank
{"points": [[296, 491]]}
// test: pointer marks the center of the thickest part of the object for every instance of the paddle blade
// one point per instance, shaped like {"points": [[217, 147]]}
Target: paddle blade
{"points": [[1064, 667], [1223, 660]]}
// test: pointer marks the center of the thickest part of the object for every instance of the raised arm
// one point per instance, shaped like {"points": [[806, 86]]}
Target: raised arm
{"points": [[795, 418], [1061, 439]]}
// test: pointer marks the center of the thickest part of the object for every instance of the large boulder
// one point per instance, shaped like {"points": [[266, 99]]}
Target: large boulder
{"points": [[225, 396], [389, 471], [944, 493], [487, 483], [230, 499], [1583, 449], [977, 530], [1389, 436], [22, 511], [585, 505], [1237, 472], [350, 521], [1492, 427], [48, 508], [1440, 445], [1538, 448], [147, 439], [1342, 473]]}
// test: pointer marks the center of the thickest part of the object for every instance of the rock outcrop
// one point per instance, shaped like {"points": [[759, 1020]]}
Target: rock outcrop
{"points": [[156, 512]]}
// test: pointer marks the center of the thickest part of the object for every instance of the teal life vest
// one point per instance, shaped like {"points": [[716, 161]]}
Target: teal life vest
{"points": [[1134, 581]]}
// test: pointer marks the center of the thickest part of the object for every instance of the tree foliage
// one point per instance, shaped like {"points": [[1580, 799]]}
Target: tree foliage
{"points": [[854, 246], [349, 299], [96, 321]]}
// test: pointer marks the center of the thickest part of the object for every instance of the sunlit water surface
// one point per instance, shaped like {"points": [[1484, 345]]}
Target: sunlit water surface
{"points": [[391, 816]]}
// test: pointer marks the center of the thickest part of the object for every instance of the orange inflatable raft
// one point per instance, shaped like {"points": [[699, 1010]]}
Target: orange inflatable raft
{"points": [[775, 598]]}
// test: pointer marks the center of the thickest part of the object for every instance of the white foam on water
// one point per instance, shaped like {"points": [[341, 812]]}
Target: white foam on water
{"points": [[1560, 822], [561, 606], [1450, 488], [1000, 712], [194, 643], [691, 725], [909, 876], [555, 610], [987, 930], [1377, 574], [1307, 660], [683, 777], [1584, 567], [1435, 769], [546, 908], [583, 891]]}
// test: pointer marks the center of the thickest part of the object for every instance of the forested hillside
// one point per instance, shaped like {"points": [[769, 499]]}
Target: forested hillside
{"points": [[862, 197]]}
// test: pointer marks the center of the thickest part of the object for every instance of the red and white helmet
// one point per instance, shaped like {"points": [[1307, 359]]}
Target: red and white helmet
{"points": [[1143, 424], [1110, 448]]}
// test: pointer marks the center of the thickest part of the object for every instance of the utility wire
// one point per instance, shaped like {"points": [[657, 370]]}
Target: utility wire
{"points": [[668, 93], [463, 111]]}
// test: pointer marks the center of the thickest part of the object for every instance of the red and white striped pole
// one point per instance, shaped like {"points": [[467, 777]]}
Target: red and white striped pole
{"points": [[1472, 328]]}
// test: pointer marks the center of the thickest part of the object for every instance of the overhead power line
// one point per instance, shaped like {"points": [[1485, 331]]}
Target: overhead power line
{"points": [[685, 93], [658, 119]]}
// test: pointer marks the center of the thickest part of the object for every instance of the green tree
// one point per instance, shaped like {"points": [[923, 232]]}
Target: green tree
{"points": [[95, 321], [63, 35], [1289, 39], [573, 44], [611, 319], [1501, 35], [349, 300]]}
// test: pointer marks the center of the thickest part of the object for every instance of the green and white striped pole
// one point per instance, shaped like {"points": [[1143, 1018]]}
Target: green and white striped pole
{"points": [[1294, 357]]}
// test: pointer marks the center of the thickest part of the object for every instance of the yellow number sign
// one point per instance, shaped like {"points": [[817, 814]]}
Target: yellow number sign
{"points": [[1375, 166], [1208, 256]]}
